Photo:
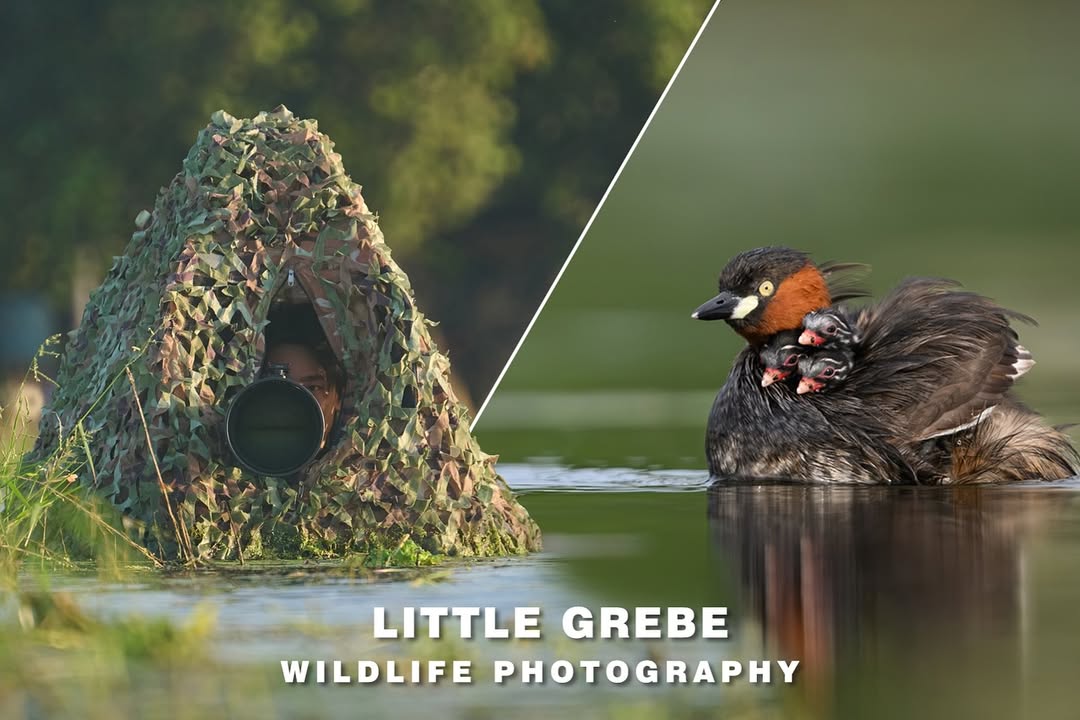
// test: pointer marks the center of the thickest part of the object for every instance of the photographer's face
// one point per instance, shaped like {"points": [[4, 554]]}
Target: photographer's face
{"points": [[304, 368]]}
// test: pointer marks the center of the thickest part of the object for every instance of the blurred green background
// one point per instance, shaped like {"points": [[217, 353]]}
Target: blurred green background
{"points": [[483, 133], [919, 138]]}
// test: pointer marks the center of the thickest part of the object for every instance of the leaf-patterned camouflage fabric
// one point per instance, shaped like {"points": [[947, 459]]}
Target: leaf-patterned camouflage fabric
{"points": [[192, 292]]}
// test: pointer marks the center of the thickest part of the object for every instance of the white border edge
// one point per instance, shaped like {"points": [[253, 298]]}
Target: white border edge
{"points": [[600, 205]]}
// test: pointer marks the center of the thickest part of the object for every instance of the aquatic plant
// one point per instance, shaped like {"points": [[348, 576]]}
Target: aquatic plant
{"points": [[45, 515]]}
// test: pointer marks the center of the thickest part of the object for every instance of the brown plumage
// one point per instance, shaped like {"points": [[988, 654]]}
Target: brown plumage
{"points": [[940, 363], [1013, 444], [805, 288], [927, 399], [936, 358]]}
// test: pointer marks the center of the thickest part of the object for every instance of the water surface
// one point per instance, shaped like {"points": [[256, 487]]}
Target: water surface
{"points": [[896, 600]]}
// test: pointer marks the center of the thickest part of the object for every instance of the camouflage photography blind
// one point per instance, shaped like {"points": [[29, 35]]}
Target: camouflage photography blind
{"points": [[262, 216]]}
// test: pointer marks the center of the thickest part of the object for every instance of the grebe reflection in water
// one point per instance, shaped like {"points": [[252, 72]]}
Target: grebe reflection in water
{"points": [[879, 590]]}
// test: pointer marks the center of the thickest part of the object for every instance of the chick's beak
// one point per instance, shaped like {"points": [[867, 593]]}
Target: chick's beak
{"points": [[719, 308], [772, 375], [809, 337], [809, 385]]}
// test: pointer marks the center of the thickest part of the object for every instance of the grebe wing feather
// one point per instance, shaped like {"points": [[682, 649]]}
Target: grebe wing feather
{"points": [[844, 279], [968, 354]]}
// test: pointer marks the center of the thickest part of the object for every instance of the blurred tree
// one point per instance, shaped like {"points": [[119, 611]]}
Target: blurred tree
{"points": [[484, 132]]}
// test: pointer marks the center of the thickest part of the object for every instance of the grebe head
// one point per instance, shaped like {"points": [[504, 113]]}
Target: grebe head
{"points": [[766, 291]]}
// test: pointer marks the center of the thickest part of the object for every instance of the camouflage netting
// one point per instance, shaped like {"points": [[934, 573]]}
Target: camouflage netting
{"points": [[255, 199]]}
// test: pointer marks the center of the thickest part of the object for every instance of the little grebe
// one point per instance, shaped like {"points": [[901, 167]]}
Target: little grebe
{"points": [[924, 396]]}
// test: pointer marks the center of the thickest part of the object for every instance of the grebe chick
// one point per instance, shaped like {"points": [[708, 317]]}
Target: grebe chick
{"points": [[780, 357], [824, 368], [926, 399], [830, 325]]}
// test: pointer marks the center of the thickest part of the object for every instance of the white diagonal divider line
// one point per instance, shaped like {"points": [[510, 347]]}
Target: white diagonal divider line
{"points": [[596, 212]]}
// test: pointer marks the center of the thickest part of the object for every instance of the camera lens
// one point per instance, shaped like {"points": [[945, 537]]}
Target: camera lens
{"points": [[274, 427]]}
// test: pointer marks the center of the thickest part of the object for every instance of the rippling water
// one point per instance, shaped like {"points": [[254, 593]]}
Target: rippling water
{"points": [[897, 601]]}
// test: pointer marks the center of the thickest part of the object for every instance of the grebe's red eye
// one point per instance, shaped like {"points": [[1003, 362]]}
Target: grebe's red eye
{"points": [[828, 372], [792, 360]]}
